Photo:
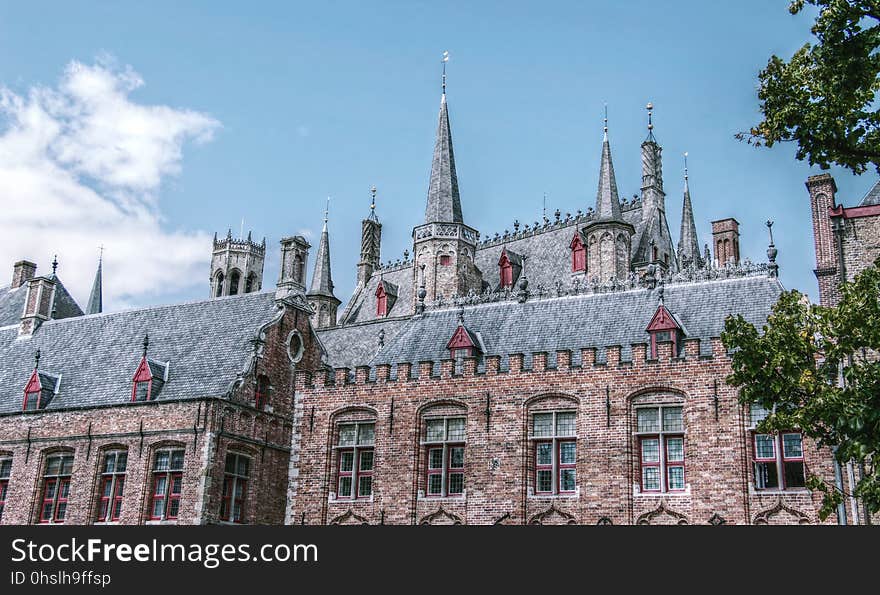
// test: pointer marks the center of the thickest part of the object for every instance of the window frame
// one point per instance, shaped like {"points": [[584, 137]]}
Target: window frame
{"points": [[555, 467], [5, 473], [231, 481], [60, 483], [357, 451], [578, 255], [445, 445], [111, 505], [779, 459], [170, 475], [663, 437]]}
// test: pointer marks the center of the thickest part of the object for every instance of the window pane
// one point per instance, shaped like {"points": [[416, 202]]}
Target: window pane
{"points": [[66, 465], [794, 474], [46, 513], [545, 481], [567, 480], [173, 508], [435, 429], [120, 485], [366, 433], [651, 450], [675, 449], [50, 490], [61, 512], [565, 424], [238, 491], [365, 485], [456, 483], [344, 487], [346, 461], [53, 465], [347, 435], [244, 464], [106, 488], [121, 461], [435, 484], [765, 446], [455, 429], [456, 457], [176, 484], [176, 460], [647, 420], [110, 462], [543, 424], [435, 458], [766, 476], [650, 478], [757, 414], [64, 489], [672, 421], [366, 457], [675, 478], [544, 454], [162, 459], [792, 446], [157, 508], [117, 509], [230, 463], [159, 486], [5, 468], [567, 453]]}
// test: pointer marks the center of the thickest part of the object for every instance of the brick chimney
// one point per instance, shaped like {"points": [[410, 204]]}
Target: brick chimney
{"points": [[22, 272], [38, 305], [294, 259], [822, 189], [725, 240]]}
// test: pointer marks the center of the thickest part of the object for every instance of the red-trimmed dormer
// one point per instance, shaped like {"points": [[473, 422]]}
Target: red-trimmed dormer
{"points": [[40, 387], [509, 268], [664, 326], [463, 342], [578, 254], [386, 295], [149, 378]]}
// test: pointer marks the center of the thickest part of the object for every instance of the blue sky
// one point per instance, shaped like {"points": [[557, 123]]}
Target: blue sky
{"points": [[260, 112]]}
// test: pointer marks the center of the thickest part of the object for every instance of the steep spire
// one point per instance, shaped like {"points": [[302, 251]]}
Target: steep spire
{"points": [[607, 201], [322, 282], [444, 203], [688, 245], [96, 302]]}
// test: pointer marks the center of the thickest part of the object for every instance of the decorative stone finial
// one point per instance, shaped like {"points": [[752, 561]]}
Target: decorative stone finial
{"points": [[772, 267], [36, 359], [444, 60], [54, 264], [146, 344]]}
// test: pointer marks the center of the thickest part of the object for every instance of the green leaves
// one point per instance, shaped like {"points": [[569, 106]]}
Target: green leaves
{"points": [[818, 369], [823, 98]]}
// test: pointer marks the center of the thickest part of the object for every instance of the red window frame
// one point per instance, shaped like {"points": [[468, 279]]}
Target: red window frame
{"points": [[53, 487], [381, 301], [234, 481], [261, 392], [556, 466], [662, 464], [578, 255], [544, 467], [171, 489], [358, 451], [27, 399], [112, 490], [142, 375], [505, 270], [778, 460], [444, 445], [650, 464], [5, 471]]}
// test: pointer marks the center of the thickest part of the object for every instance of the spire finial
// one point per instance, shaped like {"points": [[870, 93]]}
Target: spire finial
{"points": [[373, 203], [146, 344], [650, 108], [444, 60], [100, 254], [36, 359], [54, 264], [605, 121], [326, 213], [686, 166], [772, 267]]}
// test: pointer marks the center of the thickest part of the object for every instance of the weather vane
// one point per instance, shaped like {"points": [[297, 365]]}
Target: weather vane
{"points": [[444, 60], [685, 165]]}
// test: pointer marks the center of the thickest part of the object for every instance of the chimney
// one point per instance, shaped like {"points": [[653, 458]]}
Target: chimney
{"points": [[822, 189], [22, 272], [294, 259], [725, 239], [38, 305]]}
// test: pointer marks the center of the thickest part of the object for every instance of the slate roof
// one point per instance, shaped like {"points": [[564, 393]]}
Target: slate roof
{"points": [[594, 320], [206, 345], [872, 197], [12, 303], [357, 344], [364, 307], [444, 203]]}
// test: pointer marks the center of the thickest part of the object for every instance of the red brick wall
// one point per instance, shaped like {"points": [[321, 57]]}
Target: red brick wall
{"points": [[499, 463]]}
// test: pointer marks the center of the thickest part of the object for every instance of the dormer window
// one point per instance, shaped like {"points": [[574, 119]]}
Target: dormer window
{"points": [[578, 254], [509, 268], [40, 388], [148, 380], [381, 301], [463, 344], [665, 327]]}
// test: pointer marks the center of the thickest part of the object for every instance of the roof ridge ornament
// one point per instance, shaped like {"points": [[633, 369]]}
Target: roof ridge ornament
{"points": [[146, 344], [37, 355], [650, 108], [54, 265], [444, 60], [772, 267], [372, 216]]}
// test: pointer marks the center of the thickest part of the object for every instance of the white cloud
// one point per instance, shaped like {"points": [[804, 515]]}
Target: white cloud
{"points": [[82, 165]]}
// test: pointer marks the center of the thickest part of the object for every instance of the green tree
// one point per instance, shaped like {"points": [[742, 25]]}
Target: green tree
{"points": [[823, 99], [817, 369]]}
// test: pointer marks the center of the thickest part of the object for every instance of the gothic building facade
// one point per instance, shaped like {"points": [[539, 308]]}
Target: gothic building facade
{"points": [[565, 372]]}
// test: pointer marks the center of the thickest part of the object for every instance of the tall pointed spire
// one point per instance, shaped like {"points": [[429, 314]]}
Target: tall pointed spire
{"points": [[322, 281], [607, 200], [688, 244], [444, 203], [96, 302]]}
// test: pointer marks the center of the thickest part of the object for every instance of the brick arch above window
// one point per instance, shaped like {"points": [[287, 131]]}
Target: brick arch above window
{"points": [[353, 412], [440, 406], [551, 401]]}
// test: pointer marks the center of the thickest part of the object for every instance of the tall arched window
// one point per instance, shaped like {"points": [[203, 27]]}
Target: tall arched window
{"points": [[552, 433], [234, 279], [218, 291], [298, 268], [353, 455], [249, 282], [444, 435], [659, 441]]}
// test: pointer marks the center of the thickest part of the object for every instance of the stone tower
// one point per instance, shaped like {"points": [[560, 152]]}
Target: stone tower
{"points": [[236, 265], [371, 242], [444, 244], [725, 238], [294, 259], [320, 295], [608, 238], [654, 243]]}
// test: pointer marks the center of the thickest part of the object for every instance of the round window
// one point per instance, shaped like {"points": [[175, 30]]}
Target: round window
{"points": [[294, 346]]}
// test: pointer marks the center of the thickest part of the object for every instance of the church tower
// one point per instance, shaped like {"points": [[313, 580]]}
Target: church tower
{"points": [[688, 244], [444, 244], [320, 295], [236, 265], [608, 237]]}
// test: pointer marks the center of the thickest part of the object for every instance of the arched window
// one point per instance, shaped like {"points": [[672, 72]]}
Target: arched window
{"points": [[660, 437], [167, 483], [249, 284], [56, 487], [235, 481], [111, 486], [234, 279], [354, 456], [444, 430], [552, 436], [218, 291], [5, 472], [578, 254]]}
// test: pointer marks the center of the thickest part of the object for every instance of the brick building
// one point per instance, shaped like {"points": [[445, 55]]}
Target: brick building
{"points": [[566, 372]]}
